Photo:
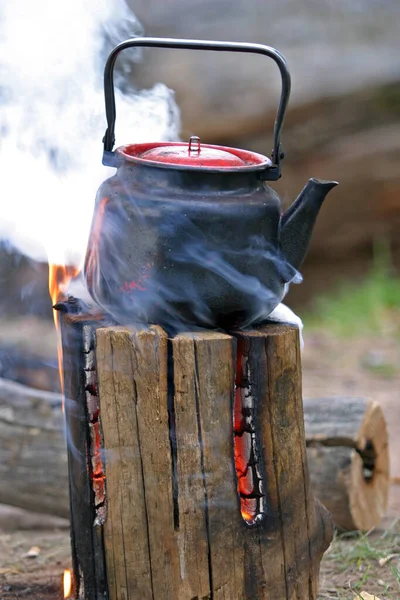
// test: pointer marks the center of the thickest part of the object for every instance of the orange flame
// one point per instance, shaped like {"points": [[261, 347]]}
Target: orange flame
{"points": [[59, 279], [67, 583], [242, 448]]}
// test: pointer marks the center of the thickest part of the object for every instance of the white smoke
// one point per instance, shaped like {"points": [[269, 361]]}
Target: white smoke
{"points": [[52, 119]]}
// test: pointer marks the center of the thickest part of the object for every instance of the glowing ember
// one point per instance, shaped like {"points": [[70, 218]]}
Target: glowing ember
{"points": [[245, 452], [67, 583], [59, 280]]}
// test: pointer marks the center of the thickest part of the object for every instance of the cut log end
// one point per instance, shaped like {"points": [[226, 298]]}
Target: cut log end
{"points": [[347, 447], [369, 482]]}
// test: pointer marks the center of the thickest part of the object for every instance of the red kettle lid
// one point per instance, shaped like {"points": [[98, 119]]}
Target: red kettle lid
{"points": [[194, 156]]}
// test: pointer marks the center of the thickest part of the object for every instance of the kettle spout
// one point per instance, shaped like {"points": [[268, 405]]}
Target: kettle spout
{"points": [[297, 223]]}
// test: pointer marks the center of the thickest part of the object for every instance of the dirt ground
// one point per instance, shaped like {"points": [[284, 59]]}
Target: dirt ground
{"points": [[362, 366], [38, 577]]}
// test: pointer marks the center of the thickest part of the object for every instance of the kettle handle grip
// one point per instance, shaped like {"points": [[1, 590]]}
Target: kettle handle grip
{"points": [[271, 173]]}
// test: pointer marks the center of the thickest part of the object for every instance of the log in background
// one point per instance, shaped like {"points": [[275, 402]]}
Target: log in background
{"points": [[33, 457], [348, 457]]}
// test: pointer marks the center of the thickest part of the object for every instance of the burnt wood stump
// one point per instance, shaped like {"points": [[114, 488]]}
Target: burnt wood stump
{"points": [[188, 467]]}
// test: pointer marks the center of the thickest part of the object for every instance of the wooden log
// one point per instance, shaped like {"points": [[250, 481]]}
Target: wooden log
{"points": [[139, 530], [23, 366], [14, 519], [175, 527], [86, 511], [33, 458], [210, 525], [348, 456], [284, 554]]}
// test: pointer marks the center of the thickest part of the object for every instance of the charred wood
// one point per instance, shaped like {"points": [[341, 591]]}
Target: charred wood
{"points": [[86, 533]]}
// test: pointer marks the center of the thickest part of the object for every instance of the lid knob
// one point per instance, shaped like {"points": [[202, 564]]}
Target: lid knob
{"points": [[194, 145]]}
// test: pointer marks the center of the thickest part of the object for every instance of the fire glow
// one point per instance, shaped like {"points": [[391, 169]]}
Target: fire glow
{"points": [[60, 277], [250, 488], [67, 583]]}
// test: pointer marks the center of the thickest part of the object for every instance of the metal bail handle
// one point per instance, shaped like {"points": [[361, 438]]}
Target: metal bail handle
{"points": [[109, 158]]}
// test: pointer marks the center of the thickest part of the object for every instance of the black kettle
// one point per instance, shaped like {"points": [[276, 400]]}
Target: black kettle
{"points": [[189, 233]]}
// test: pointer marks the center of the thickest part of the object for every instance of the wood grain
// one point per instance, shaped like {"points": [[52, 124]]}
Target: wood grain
{"points": [[209, 511], [125, 531], [284, 553], [174, 528]]}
